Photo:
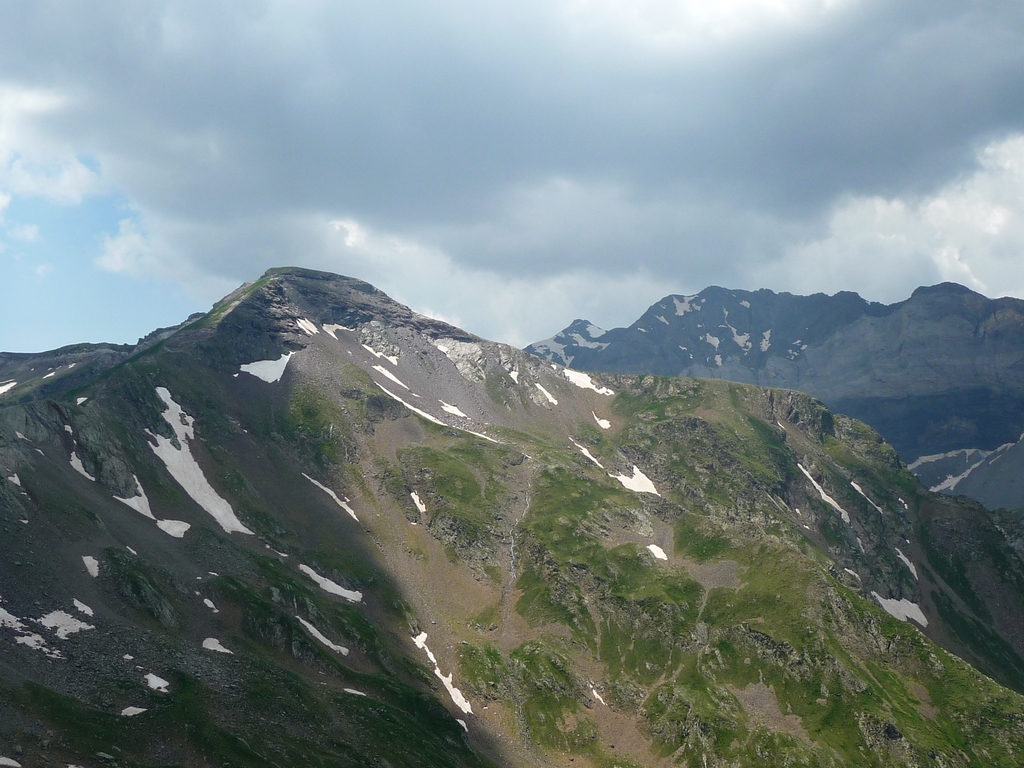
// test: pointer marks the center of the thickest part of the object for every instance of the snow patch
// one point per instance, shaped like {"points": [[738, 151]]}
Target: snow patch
{"points": [[157, 683], [269, 371], [457, 698], [14, 480], [412, 408], [332, 329], [602, 423], [175, 528], [418, 502], [718, 360], [639, 482], [548, 395], [7, 386], [824, 496], [132, 711], [859, 490], [902, 609], [308, 327], [9, 762], [684, 306], [92, 565], [186, 471], [343, 504], [384, 371], [209, 604], [354, 692], [514, 375], [745, 303], [322, 638], [766, 340], [76, 464], [659, 553], [852, 573], [83, 607], [80, 400], [597, 696], [452, 409], [714, 341], [393, 359], [63, 624], [329, 586], [906, 562], [586, 453], [666, 322], [213, 644], [583, 381], [138, 502]]}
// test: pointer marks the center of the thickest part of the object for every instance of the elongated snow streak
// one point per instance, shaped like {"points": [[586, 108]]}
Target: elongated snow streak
{"points": [[270, 371], [132, 711], [859, 490], [393, 359], [157, 683], [659, 553], [824, 496], [213, 644], [583, 381], [186, 471], [602, 423], [480, 434], [906, 562], [343, 504], [413, 408], [92, 565], [63, 624], [418, 502], [332, 330], [83, 607], [308, 327], [902, 609], [138, 502], [457, 698], [7, 386], [329, 586], [209, 604], [322, 638], [639, 482], [80, 400], [385, 372], [76, 464], [452, 409], [586, 453], [354, 692], [548, 395], [175, 528], [6, 761], [597, 695]]}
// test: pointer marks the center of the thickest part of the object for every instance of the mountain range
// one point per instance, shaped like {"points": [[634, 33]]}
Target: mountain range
{"points": [[313, 527], [939, 375]]}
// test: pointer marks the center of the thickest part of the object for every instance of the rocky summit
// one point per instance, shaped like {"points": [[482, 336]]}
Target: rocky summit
{"points": [[314, 528], [940, 375]]}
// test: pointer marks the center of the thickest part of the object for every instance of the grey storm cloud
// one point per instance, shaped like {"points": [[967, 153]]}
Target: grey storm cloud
{"points": [[520, 138]]}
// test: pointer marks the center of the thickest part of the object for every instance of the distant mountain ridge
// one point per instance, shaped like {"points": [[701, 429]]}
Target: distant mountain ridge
{"points": [[939, 372]]}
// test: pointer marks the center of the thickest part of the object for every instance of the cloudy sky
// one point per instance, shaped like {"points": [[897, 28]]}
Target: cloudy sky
{"points": [[508, 166]]}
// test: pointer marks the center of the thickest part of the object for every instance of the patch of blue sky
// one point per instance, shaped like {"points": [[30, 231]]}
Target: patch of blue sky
{"points": [[53, 294]]}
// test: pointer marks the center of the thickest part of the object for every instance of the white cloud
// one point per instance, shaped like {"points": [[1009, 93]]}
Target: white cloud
{"points": [[27, 233], [970, 231], [32, 163], [129, 251]]}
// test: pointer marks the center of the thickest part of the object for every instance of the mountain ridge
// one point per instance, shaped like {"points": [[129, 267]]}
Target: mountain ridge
{"points": [[326, 529]]}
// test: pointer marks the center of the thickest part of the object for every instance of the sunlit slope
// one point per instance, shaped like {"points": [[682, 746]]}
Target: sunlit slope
{"points": [[315, 528]]}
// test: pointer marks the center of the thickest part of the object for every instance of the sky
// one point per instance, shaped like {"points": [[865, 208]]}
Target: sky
{"points": [[505, 166]]}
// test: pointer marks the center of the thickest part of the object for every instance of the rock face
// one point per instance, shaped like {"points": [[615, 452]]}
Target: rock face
{"points": [[315, 528], [939, 372]]}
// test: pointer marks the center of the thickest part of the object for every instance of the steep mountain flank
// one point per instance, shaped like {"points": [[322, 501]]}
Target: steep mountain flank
{"points": [[940, 372], [315, 528]]}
